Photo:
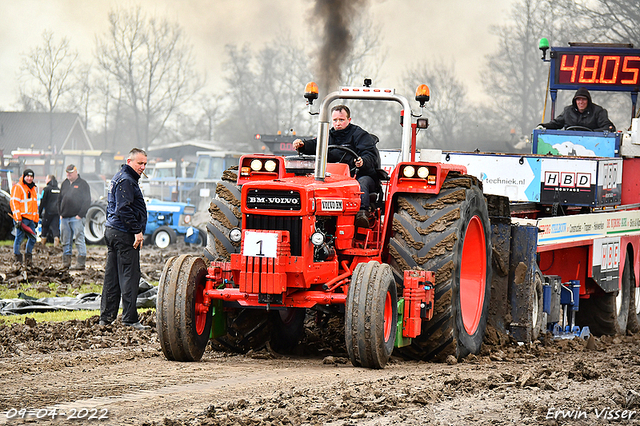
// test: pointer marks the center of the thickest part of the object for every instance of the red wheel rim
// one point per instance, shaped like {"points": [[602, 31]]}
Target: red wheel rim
{"points": [[201, 310], [473, 274], [388, 317]]}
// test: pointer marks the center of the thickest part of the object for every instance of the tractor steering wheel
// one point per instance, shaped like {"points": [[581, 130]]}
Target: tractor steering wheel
{"points": [[585, 129], [347, 150]]}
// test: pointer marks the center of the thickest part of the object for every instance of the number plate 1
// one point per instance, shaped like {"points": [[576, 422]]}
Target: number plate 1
{"points": [[260, 244]]}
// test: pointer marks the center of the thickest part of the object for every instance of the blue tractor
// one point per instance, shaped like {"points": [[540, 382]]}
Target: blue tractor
{"points": [[166, 220]]}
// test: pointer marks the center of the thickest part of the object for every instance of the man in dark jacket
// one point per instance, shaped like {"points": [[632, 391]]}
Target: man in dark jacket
{"points": [[75, 200], [584, 113], [48, 210], [124, 233], [362, 143]]}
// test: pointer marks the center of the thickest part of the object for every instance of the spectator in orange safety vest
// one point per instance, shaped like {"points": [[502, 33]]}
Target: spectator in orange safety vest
{"points": [[24, 207]]}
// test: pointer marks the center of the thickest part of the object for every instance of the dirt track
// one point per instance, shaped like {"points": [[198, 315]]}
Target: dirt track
{"points": [[122, 374]]}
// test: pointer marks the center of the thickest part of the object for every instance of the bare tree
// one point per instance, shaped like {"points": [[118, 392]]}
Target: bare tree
{"points": [[613, 20], [47, 72], [515, 76], [153, 64], [47, 76], [447, 109], [265, 89]]}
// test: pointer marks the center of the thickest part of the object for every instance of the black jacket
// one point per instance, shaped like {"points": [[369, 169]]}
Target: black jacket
{"points": [[358, 140], [126, 209], [50, 198], [75, 198], [593, 117]]}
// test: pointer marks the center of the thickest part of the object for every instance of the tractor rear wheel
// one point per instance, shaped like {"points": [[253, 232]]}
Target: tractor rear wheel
{"points": [[225, 215], [371, 316], [607, 314], [184, 321], [447, 233]]}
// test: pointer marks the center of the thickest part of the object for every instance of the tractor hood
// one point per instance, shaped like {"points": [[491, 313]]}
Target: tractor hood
{"points": [[302, 195]]}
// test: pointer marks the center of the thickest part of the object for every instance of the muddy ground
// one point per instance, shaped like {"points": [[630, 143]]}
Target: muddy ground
{"points": [[120, 375]]}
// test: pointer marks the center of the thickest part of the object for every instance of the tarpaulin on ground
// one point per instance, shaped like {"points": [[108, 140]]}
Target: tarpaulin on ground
{"points": [[147, 295]]}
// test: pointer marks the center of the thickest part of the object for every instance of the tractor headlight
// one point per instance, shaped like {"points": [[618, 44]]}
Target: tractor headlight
{"points": [[256, 165], [187, 218], [317, 238], [270, 165], [235, 235], [423, 172], [409, 171]]}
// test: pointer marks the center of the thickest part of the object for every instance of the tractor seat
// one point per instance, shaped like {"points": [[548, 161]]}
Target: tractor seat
{"points": [[338, 169]]}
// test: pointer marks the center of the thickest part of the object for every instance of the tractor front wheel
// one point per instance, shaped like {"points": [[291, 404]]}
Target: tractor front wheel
{"points": [[371, 315], [184, 321]]}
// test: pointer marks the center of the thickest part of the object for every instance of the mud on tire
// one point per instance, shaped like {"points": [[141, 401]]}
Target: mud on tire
{"points": [[371, 315], [225, 215], [448, 233], [183, 329]]}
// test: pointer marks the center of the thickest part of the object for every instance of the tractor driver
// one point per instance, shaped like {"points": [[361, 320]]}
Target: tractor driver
{"points": [[362, 143], [582, 113]]}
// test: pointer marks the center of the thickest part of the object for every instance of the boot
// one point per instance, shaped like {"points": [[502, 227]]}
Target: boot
{"points": [[28, 259], [80, 263], [18, 258], [66, 261], [56, 242], [362, 219]]}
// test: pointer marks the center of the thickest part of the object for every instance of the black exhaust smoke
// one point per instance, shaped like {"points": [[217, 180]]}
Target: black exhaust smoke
{"points": [[334, 17]]}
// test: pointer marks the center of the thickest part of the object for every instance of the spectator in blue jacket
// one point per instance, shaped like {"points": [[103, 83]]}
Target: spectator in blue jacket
{"points": [[124, 233]]}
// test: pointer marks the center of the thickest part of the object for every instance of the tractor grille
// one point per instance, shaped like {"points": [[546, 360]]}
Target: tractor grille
{"points": [[273, 199], [279, 223]]}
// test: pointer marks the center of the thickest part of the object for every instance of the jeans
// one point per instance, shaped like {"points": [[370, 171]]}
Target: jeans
{"points": [[22, 234], [121, 277], [367, 186], [71, 226]]}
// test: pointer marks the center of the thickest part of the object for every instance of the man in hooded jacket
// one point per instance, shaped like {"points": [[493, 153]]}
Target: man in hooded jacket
{"points": [[24, 207], [48, 211], [584, 113]]}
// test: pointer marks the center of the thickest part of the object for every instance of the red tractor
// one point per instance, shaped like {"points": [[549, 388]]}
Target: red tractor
{"points": [[282, 241]]}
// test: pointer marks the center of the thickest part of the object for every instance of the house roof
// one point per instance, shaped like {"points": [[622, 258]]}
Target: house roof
{"points": [[31, 130], [190, 147]]}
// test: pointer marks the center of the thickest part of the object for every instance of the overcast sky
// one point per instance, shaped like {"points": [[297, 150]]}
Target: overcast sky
{"points": [[414, 31]]}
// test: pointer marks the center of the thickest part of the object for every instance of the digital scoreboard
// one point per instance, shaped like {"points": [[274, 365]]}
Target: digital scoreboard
{"points": [[596, 68]]}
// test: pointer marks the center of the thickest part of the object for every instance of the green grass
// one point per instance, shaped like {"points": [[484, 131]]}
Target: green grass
{"points": [[27, 289], [56, 316], [6, 243]]}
